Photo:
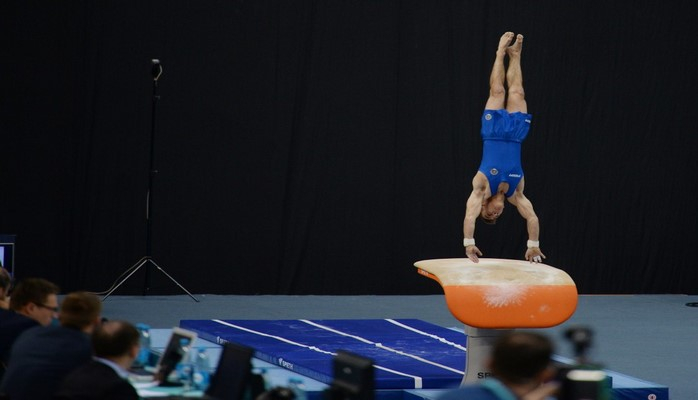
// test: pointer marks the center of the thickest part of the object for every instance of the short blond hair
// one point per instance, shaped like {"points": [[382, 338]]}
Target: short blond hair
{"points": [[80, 310]]}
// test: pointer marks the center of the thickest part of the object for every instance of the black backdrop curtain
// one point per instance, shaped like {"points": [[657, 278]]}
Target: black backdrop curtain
{"points": [[322, 147]]}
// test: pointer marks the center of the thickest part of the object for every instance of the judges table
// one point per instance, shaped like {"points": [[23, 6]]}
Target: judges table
{"points": [[273, 374]]}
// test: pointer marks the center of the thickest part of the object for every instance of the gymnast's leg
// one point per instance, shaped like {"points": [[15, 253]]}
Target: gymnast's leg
{"points": [[516, 100], [497, 90]]}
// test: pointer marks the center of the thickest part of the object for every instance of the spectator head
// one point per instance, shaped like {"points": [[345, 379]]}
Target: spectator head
{"points": [[521, 357], [81, 311], [36, 298], [116, 340]]}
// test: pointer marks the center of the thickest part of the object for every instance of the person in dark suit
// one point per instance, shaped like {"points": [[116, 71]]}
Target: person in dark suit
{"points": [[42, 356], [34, 302], [116, 345]]}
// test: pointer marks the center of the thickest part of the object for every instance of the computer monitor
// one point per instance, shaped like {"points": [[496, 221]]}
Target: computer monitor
{"points": [[7, 253], [177, 348], [233, 373], [353, 377]]}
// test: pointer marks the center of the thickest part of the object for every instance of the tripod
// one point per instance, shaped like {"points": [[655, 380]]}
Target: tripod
{"points": [[147, 260]]}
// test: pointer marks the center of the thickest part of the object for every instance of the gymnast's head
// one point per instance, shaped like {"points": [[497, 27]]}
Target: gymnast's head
{"points": [[492, 209]]}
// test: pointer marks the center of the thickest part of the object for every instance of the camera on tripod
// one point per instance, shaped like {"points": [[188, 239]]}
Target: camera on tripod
{"points": [[583, 380]]}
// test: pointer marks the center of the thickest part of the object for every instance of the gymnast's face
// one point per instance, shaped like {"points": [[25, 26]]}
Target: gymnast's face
{"points": [[492, 208]]}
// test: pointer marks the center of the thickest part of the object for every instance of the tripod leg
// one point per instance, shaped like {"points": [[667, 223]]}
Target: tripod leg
{"points": [[173, 279], [133, 269]]}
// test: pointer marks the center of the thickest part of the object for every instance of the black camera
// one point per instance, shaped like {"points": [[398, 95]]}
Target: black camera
{"points": [[583, 380]]}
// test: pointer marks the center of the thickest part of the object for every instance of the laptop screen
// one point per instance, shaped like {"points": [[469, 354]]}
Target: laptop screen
{"points": [[232, 375], [7, 252], [353, 377], [177, 348]]}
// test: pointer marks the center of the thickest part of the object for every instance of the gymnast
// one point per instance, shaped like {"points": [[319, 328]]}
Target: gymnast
{"points": [[505, 124]]}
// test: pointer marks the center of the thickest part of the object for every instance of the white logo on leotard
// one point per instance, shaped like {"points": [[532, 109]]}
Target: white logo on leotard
{"points": [[488, 116], [494, 171]]}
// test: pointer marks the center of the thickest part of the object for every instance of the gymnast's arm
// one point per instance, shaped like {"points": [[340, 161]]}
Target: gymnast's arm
{"points": [[525, 208], [472, 210]]}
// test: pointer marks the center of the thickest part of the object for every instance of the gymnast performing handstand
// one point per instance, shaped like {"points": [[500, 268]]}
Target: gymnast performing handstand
{"points": [[505, 124]]}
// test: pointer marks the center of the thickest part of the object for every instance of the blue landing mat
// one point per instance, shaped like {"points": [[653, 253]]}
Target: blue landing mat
{"points": [[408, 353]]}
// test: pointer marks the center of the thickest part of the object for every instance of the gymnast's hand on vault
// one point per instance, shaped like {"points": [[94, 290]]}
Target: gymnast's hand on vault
{"points": [[472, 252], [535, 255]]}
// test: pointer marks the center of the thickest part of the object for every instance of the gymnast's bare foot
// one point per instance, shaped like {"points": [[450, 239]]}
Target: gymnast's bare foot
{"points": [[504, 42], [515, 49]]}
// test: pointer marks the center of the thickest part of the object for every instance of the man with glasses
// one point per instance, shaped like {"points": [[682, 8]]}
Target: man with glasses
{"points": [[34, 302], [43, 356]]}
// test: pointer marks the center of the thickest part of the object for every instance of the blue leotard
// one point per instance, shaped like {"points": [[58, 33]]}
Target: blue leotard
{"points": [[502, 133]]}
